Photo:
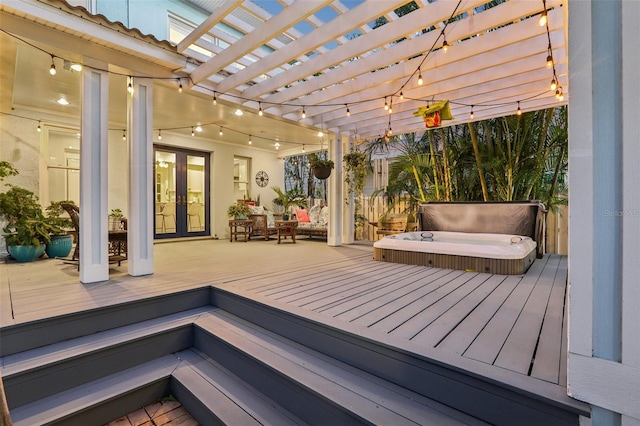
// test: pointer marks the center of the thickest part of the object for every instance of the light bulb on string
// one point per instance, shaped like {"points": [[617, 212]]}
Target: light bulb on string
{"points": [[215, 99], [193, 133], [303, 148], [519, 111], [124, 135], [348, 112], [39, 129], [52, 69], [554, 83], [130, 86], [260, 110], [549, 61], [391, 107], [304, 113], [401, 95], [160, 134], [543, 18], [420, 81], [250, 141], [471, 113], [445, 46], [179, 86], [220, 132], [386, 105]]}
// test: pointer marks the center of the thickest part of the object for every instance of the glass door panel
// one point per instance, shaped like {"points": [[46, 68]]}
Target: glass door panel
{"points": [[181, 193], [165, 192]]}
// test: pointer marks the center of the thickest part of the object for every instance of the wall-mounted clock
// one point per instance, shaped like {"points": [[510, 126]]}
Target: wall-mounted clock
{"points": [[262, 178]]}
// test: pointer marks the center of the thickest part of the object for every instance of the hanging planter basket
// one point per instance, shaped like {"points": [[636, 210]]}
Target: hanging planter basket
{"points": [[322, 172]]}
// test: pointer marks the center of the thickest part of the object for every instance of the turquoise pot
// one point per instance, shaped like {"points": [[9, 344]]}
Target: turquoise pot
{"points": [[60, 246], [26, 253]]}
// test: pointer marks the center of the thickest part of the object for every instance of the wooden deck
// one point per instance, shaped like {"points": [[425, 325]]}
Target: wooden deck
{"points": [[510, 328]]}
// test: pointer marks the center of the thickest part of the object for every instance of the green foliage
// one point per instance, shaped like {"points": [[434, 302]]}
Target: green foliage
{"points": [[317, 162], [6, 169], [116, 214], [238, 210], [25, 222], [517, 158], [56, 215], [293, 197]]}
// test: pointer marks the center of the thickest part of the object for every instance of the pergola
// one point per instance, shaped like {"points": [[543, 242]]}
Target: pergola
{"points": [[328, 65]]}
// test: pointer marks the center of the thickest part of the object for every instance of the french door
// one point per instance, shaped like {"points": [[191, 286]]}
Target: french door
{"points": [[181, 191]]}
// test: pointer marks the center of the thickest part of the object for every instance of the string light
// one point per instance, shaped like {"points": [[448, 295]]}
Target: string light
{"points": [[160, 134], [220, 132], [124, 134], [519, 111], [391, 107], [215, 99], [304, 113], [130, 85], [554, 83], [549, 61], [250, 141], [445, 46], [471, 113], [192, 132], [401, 95], [420, 81], [179, 86], [260, 110], [277, 144], [303, 148], [39, 129], [52, 70], [543, 17], [348, 112], [386, 105]]}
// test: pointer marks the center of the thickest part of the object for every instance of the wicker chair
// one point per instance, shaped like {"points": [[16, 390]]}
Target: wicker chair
{"points": [[260, 227]]}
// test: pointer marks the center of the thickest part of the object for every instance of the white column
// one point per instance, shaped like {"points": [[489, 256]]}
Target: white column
{"points": [[348, 208], [141, 168], [604, 201], [334, 196], [93, 238]]}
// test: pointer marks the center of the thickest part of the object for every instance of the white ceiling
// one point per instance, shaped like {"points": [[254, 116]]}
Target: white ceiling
{"points": [[496, 59]]}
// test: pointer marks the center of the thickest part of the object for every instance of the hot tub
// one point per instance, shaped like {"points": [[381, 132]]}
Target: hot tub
{"points": [[491, 253]]}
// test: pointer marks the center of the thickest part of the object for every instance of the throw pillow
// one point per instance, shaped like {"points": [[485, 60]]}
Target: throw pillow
{"points": [[271, 220], [302, 215], [256, 209]]}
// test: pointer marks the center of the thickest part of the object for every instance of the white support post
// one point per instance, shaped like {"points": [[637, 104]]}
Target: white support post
{"points": [[348, 209], [604, 219], [141, 212], [94, 234], [335, 197]]}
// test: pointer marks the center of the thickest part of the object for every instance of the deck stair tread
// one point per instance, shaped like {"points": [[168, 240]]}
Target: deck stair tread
{"points": [[41, 372], [369, 398], [74, 348], [232, 400], [61, 405]]}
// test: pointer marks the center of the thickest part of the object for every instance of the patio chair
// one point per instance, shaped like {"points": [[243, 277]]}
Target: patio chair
{"points": [[74, 213]]}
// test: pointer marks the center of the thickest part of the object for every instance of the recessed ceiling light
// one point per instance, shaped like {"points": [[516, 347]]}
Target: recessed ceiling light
{"points": [[239, 112], [63, 101], [76, 67], [198, 129]]}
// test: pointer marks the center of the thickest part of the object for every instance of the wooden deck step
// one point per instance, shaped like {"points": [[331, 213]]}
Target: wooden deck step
{"points": [[100, 401], [310, 385], [39, 373], [215, 395]]}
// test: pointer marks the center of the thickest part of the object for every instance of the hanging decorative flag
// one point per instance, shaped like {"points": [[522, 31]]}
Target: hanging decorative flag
{"points": [[435, 113]]}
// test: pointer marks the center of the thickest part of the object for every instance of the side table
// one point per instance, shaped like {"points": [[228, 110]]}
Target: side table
{"points": [[240, 227], [287, 228]]}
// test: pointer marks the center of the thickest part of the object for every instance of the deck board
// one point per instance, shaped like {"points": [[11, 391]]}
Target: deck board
{"points": [[453, 312]]}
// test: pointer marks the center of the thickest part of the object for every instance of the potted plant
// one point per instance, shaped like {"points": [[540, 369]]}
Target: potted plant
{"points": [[27, 231], [115, 219], [239, 211], [291, 198], [61, 243], [320, 167]]}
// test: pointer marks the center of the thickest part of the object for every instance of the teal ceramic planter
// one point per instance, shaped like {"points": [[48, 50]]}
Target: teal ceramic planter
{"points": [[26, 253], [60, 246]]}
